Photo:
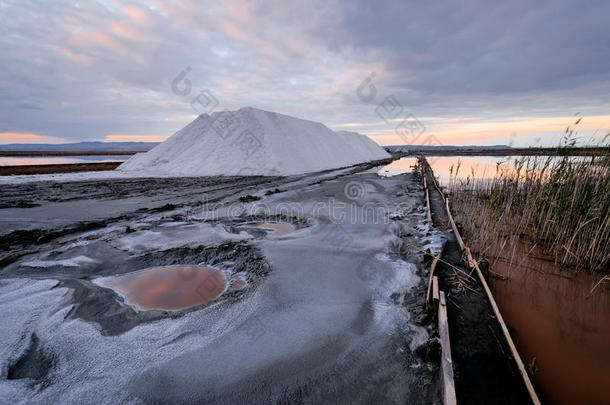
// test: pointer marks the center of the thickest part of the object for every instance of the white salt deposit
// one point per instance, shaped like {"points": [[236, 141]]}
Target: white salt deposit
{"points": [[254, 142], [73, 262]]}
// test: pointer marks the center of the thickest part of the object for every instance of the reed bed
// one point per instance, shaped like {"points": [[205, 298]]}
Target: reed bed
{"points": [[560, 203]]}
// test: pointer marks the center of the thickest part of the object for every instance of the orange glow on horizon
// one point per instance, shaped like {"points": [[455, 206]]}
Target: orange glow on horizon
{"points": [[22, 137], [18, 135], [133, 138], [468, 131]]}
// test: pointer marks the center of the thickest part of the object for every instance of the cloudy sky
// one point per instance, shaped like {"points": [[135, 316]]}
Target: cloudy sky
{"points": [[468, 72]]}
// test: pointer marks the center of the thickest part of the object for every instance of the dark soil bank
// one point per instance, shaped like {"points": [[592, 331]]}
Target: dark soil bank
{"points": [[58, 168]]}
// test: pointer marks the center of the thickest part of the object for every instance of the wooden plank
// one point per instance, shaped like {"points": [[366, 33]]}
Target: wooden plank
{"points": [[454, 227], [435, 295], [423, 175], [494, 306], [432, 267], [469, 258], [449, 397], [436, 185], [428, 209], [496, 310], [509, 340], [438, 188], [434, 182]]}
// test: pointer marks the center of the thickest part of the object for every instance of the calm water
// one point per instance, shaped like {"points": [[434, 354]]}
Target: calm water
{"points": [[553, 314], [559, 321], [400, 166], [54, 160], [171, 287], [276, 228], [483, 167]]}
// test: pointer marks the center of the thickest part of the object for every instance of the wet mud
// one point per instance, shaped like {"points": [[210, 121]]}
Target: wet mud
{"points": [[108, 310], [306, 310], [34, 364]]}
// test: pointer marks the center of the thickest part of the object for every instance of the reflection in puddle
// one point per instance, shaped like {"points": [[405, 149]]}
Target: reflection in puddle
{"points": [[400, 166], [558, 320], [169, 287], [278, 228]]}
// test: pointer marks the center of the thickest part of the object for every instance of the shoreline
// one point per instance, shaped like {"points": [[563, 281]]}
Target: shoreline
{"points": [[588, 151], [57, 168]]}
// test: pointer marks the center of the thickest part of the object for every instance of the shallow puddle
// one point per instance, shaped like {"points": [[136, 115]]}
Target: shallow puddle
{"points": [[277, 228], [400, 166], [169, 287], [560, 322]]}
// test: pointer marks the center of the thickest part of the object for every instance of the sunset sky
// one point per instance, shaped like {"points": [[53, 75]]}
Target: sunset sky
{"points": [[468, 72]]}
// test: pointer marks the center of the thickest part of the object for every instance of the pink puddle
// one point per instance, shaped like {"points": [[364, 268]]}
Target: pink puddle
{"points": [[278, 228], [170, 287]]}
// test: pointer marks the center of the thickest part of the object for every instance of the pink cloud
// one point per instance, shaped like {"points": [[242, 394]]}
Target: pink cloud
{"points": [[138, 15], [133, 138], [20, 137], [124, 30], [74, 56]]}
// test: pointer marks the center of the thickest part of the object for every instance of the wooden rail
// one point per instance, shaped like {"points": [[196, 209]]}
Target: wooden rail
{"points": [[435, 295], [473, 264], [449, 397], [509, 340], [434, 182], [460, 241], [430, 281], [428, 210]]}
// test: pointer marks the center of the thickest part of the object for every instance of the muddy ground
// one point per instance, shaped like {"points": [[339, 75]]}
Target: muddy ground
{"points": [[329, 312]]}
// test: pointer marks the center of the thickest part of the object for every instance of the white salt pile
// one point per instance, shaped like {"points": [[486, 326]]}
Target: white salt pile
{"points": [[254, 142]]}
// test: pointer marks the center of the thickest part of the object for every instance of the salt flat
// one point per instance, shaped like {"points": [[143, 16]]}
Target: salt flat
{"points": [[329, 311]]}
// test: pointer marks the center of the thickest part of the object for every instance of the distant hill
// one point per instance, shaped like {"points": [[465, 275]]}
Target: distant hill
{"points": [[496, 150], [81, 146], [408, 148]]}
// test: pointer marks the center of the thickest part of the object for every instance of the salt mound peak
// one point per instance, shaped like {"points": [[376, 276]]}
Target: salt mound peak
{"points": [[250, 141]]}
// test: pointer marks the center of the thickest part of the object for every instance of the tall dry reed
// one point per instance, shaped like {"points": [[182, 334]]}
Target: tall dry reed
{"points": [[561, 203]]}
